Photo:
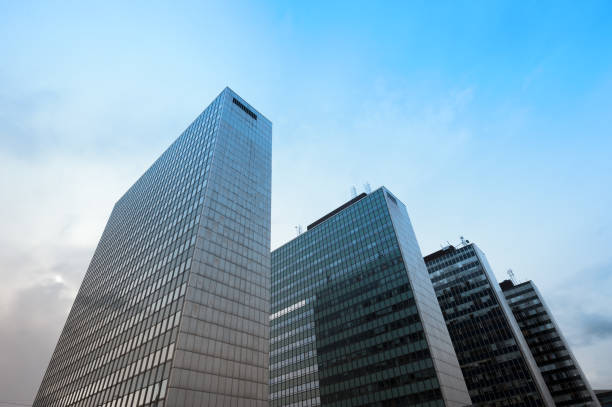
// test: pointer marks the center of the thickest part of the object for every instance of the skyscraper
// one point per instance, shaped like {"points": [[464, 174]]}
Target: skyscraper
{"points": [[604, 397], [565, 380], [355, 320], [497, 365], [173, 309]]}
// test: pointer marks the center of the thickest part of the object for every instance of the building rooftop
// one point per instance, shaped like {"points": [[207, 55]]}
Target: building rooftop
{"points": [[442, 252], [509, 284], [335, 211]]}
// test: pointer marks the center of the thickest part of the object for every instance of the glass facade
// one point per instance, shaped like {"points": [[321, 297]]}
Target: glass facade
{"points": [[498, 368], [604, 397], [562, 374], [173, 309], [355, 320]]}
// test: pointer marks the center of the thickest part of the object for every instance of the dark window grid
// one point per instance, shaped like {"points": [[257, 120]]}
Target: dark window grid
{"points": [[288, 368], [320, 231], [390, 327], [310, 272], [373, 256], [367, 290]]}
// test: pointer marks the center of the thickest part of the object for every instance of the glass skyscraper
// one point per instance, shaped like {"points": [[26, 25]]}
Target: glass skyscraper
{"points": [[565, 380], [498, 367], [604, 397], [355, 320], [174, 307]]}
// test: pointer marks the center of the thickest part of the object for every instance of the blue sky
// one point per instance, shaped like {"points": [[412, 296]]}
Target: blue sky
{"points": [[488, 119]]}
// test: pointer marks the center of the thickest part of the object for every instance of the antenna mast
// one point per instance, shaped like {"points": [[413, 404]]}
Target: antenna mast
{"points": [[512, 276]]}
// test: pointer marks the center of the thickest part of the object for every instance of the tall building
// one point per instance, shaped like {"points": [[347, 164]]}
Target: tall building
{"points": [[173, 309], [604, 397], [355, 320], [498, 367], [565, 380]]}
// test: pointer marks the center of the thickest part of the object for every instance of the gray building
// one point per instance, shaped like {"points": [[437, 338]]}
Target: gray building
{"points": [[173, 309], [497, 365], [355, 320], [565, 380]]}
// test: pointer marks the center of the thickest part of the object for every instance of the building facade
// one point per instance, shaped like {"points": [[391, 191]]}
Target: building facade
{"points": [[173, 309], [355, 321], [565, 380], [604, 397], [497, 365]]}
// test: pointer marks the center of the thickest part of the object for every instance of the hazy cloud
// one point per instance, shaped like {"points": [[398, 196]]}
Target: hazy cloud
{"points": [[33, 317], [580, 303], [597, 326]]}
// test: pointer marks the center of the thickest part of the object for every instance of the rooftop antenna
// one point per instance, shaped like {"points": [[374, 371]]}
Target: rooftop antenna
{"points": [[512, 276], [298, 229], [463, 241], [367, 188], [353, 192]]}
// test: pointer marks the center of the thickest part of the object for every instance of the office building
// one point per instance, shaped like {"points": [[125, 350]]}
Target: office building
{"points": [[355, 320], [497, 365], [565, 380], [173, 309], [604, 397]]}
